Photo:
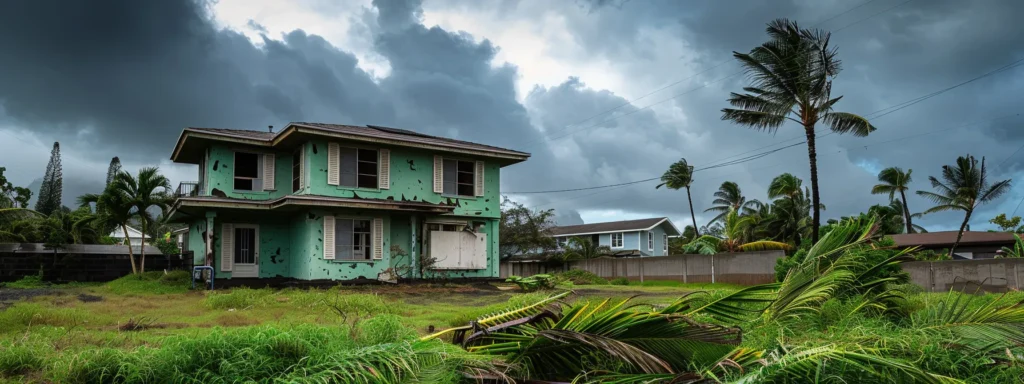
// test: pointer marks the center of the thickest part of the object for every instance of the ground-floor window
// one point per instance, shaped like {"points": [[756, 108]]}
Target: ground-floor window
{"points": [[353, 239], [245, 245]]}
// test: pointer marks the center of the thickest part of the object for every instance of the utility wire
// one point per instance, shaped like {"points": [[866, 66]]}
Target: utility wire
{"points": [[630, 102]]}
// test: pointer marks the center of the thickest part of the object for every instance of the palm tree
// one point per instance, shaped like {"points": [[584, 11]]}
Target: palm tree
{"points": [[735, 232], [728, 197], [963, 187], [150, 189], [785, 186], [114, 209], [579, 248], [791, 76], [678, 176], [892, 180]]}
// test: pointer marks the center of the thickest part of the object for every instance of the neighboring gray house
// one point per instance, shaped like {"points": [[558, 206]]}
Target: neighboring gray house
{"points": [[643, 237]]}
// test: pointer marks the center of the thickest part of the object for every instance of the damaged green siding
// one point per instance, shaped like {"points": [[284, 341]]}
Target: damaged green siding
{"points": [[291, 243], [412, 175], [220, 174]]}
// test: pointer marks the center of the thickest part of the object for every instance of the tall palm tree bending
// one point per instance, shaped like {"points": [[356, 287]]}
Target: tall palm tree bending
{"points": [[964, 186], [791, 79], [678, 176]]}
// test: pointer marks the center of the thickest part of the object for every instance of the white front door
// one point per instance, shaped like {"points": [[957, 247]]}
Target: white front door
{"points": [[247, 254]]}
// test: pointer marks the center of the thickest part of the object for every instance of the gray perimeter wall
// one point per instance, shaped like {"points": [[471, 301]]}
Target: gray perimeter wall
{"points": [[994, 275], [746, 268]]}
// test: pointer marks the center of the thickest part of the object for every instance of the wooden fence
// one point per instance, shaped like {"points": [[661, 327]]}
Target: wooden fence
{"points": [[746, 268]]}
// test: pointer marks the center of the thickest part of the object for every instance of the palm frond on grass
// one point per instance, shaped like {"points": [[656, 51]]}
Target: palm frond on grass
{"points": [[836, 364], [736, 307], [996, 322], [588, 335], [499, 318]]}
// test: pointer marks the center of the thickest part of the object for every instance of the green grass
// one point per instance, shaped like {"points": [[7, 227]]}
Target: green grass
{"points": [[26, 282], [231, 335], [151, 283]]}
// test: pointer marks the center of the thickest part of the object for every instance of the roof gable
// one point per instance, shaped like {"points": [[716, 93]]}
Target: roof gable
{"points": [[369, 133], [616, 226]]}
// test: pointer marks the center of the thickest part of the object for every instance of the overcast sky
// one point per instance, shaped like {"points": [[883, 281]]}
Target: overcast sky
{"points": [[122, 78]]}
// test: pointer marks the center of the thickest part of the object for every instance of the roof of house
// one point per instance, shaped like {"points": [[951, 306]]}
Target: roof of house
{"points": [[947, 238], [368, 133], [133, 233], [613, 226]]}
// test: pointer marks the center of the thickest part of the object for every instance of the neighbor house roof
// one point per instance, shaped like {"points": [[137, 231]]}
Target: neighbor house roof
{"points": [[133, 233], [191, 140], [947, 238], [614, 226]]}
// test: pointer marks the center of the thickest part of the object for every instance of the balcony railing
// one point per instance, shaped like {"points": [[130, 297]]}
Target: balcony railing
{"points": [[187, 188]]}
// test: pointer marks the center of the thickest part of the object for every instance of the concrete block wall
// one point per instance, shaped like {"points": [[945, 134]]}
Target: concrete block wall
{"points": [[747, 268], [993, 275]]}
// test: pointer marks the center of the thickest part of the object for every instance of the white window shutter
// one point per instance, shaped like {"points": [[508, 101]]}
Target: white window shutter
{"points": [[328, 237], [479, 182], [378, 239], [384, 174], [333, 158], [268, 172], [438, 174], [227, 247]]}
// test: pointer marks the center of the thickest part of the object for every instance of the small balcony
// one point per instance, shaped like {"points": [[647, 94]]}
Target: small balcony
{"points": [[187, 189]]}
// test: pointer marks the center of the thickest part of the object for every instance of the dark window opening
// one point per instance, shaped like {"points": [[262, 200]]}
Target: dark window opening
{"points": [[247, 171], [358, 168], [459, 178], [245, 245]]}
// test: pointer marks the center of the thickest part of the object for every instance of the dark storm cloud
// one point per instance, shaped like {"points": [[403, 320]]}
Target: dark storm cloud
{"points": [[127, 76], [141, 71]]}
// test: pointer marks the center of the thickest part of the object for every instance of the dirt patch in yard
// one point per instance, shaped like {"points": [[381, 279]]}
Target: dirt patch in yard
{"points": [[9, 295]]}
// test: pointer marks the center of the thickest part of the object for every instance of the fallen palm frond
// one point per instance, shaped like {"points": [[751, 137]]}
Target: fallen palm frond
{"points": [[499, 318], [765, 245], [545, 344], [736, 307], [847, 366], [995, 322]]}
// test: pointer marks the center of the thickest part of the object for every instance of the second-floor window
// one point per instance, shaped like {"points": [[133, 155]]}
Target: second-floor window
{"points": [[459, 178], [358, 168], [664, 244], [650, 241], [561, 241], [617, 240], [247, 172]]}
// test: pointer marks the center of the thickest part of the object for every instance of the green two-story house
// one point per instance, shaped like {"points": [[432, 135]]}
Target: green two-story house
{"points": [[324, 201]]}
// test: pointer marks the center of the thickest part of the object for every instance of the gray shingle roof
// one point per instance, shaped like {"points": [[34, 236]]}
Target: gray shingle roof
{"points": [[611, 226], [369, 130], [404, 134], [261, 135]]}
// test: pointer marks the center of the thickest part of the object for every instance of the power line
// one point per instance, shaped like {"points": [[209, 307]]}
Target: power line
{"points": [[872, 16], [630, 102], [941, 91]]}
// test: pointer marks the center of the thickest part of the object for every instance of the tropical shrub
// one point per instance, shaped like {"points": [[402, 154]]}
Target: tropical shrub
{"points": [[532, 283], [581, 277], [619, 281]]}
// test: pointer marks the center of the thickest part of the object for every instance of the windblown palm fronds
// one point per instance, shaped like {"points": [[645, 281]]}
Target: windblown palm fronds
{"points": [[979, 321]]}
